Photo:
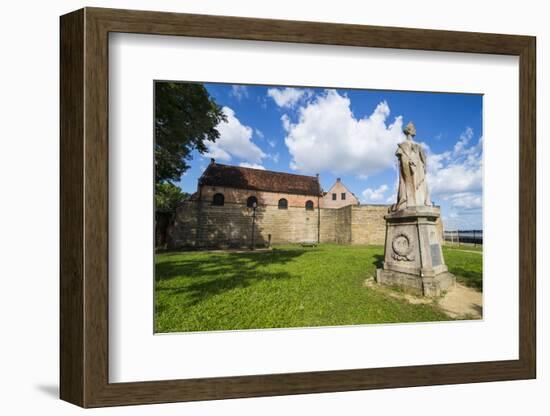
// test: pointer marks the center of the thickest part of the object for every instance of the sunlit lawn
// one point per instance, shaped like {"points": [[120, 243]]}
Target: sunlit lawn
{"points": [[290, 286], [466, 263]]}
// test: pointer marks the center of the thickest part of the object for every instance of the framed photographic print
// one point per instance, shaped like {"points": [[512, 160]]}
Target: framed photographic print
{"points": [[255, 207]]}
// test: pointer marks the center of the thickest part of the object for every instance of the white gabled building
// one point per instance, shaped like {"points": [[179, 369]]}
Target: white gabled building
{"points": [[338, 196]]}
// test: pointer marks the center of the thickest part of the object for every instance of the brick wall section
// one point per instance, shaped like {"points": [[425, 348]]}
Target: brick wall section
{"points": [[292, 225], [343, 227], [182, 233], [231, 225], [335, 225], [368, 225]]}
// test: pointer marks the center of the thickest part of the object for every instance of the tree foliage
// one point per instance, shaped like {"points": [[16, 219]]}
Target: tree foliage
{"points": [[168, 197], [185, 119]]}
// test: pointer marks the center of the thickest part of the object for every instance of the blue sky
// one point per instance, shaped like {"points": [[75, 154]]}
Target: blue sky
{"points": [[353, 134]]}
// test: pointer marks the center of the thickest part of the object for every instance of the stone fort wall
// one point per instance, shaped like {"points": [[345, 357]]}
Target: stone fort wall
{"points": [[198, 224]]}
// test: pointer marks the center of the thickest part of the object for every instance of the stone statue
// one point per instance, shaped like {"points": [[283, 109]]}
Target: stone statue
{"points": [[413, 186], [413, 258]]}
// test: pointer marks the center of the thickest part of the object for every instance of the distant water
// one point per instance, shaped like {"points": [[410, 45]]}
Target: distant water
{"points": [[465, 236]]}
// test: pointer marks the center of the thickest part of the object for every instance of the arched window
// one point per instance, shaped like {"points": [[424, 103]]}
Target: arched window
{"points": [[283, 203], [251, 201], [218, 199], [309, 205]]}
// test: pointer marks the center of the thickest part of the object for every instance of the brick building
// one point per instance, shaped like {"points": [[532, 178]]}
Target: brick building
{"points": [[237, 207], [225, 184]]}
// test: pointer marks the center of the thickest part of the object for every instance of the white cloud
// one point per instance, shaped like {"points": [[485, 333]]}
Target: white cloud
{"points": [[459, 171], [436, 161], [463, 220], [274, 157], [287, 97], [214, 151], [375, 195], [327, 136], [251, 165], [239, 91], [456, 178], [235, 141], [286, 122], [463, 141], [272, 143], [465, 200], [259, 133]]}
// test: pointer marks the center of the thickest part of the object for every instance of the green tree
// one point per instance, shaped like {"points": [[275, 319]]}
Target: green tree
{"points": [[168, 197], [185, 119]]}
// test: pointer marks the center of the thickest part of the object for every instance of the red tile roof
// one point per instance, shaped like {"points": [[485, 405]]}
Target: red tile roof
{"points": [[261, 180]]}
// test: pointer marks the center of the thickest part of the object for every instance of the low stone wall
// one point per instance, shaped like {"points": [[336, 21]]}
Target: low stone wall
{"points": [[182, 233], [335, 225], [202, 225], [368, 225]]}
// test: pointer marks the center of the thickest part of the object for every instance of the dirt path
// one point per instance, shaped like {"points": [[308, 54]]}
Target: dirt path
{"points": [[462, 301]]}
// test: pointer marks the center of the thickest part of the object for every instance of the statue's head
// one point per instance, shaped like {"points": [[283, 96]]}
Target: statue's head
{"points": [[409, 130]]}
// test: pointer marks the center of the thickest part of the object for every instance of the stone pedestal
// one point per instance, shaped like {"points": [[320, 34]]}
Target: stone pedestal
{"points": [[413, 258]]}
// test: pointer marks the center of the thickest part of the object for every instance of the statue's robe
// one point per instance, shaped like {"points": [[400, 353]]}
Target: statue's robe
{"points": [[413, 187]]}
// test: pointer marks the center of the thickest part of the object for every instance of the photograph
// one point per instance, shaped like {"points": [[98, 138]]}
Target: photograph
{"points": [[300, 208], [295, 206]]}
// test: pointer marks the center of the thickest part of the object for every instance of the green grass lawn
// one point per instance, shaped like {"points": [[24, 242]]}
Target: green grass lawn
{"points": [[466, 263], [290, 286]]}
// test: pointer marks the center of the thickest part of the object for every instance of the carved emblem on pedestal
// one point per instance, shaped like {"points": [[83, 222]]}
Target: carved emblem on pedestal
{"points": [[402, 246]]}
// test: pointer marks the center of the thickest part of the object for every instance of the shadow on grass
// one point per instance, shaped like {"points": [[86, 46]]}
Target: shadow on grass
{"points": [[478, 309], [203, 277], [378, 261], [468, 277]]}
